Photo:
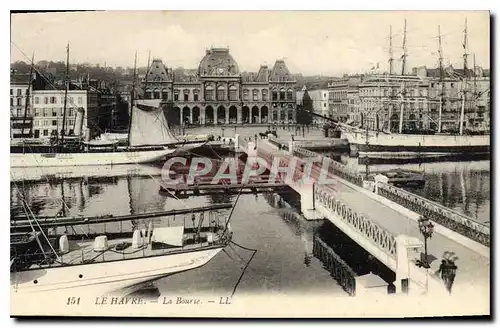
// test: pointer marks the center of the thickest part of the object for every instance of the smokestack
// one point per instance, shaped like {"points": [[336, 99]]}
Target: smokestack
{"points": [[80, 113]]}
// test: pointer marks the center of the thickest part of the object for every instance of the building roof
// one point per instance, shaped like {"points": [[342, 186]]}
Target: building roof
{"points": [[218, 61], [263, 74], [157, 71], [280, 72], [20, 78]]}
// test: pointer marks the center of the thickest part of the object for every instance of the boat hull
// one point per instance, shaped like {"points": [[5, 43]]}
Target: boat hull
{"points": [[182, 149], [107, 277], [84, 159], [384, 145]]}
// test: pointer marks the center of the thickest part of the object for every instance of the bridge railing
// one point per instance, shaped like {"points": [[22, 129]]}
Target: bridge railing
{"points": [[378, 235], [334, 167], [303, 153], [274, 141], [243, 143], [340, 271], [440, 214]]}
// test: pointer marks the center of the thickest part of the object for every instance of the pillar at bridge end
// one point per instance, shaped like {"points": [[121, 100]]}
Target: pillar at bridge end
{"points": [[307, 205], [290, 146], [380, 178], [252, 149], [236, 141], [403, 244]]}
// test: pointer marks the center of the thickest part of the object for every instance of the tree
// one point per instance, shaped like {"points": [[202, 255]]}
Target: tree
{"points": [[304, 111]]}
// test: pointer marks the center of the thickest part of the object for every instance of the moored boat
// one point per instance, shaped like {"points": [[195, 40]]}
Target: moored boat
{"points": [[105, 262], [377, 143]]}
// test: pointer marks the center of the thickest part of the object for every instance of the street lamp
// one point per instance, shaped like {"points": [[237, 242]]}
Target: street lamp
{"points": [[426, 229]]}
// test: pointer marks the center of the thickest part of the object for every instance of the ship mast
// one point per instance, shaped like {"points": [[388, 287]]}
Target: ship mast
{"points": [[404, 51], [63, 132], [441, 80], [474, 72], [403, 57], [147, 71], [28, 95], [132, 94], [391, 72], [464, 84]]}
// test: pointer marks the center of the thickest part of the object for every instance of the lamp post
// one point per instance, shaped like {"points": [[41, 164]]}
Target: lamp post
{"points": [[426, 229]]}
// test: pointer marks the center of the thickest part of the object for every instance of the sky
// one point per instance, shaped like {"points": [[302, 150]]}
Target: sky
{"points": [[311, 42]]}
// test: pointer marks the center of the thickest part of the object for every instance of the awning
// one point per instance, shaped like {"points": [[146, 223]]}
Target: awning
{"points": [[168, 235]]}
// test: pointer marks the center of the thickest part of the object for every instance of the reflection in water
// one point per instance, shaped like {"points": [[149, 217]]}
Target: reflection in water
{"points": [[221, 198], [279, 266], [463, 186], [466, 191]]}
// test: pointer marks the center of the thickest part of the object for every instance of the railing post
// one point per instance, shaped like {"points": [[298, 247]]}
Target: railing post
{"points": [[236, 142], [251, 149], [290, 147], [307, 202], [402, 265], [379, 178]]}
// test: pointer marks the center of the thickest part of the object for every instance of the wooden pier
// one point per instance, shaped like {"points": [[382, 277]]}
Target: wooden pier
{"points": [[208, 185]]}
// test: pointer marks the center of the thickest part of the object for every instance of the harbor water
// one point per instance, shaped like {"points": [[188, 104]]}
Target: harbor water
{"points": [[283, 263], [461, 185]]}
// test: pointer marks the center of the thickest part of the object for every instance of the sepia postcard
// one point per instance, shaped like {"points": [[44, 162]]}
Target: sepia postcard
{"points": [[250, 164]]}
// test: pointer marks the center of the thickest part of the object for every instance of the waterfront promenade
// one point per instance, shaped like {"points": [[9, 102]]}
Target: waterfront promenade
{"points": [[390, 220]]}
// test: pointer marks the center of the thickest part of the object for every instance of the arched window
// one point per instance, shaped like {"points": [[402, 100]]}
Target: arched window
{"points": [[148, 94], [209, 93], [156, 94], [264, 95], [176, 94], [289, 94], [186, 94], [221, 93], [274, 95], [196, 93], [245, 95], [164, 94], [233, 93], [282, 94], [255, 94]]}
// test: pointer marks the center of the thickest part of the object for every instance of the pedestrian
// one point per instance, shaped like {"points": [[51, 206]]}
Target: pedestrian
{"points": [[451, 273], [442, 269]]}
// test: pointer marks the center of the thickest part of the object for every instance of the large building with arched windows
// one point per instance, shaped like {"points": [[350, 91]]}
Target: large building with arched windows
{"points": [[218, 93]]}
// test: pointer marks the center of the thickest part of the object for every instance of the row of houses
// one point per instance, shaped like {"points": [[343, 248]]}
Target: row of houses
{"points": [[37, 109]]}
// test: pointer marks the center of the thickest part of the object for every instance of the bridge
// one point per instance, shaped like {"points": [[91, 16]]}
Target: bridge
{"points": [[383, 219]]}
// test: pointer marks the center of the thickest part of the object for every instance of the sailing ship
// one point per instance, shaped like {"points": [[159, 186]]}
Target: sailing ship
{"points": [[54, 259], [149, 140], [387, 144], [111, 253]]}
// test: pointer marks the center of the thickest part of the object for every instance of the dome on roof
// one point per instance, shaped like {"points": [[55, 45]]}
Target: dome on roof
{"points": [[218, 61]]}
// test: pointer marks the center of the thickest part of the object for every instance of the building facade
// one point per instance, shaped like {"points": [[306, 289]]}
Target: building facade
{"points": [[21, 123], [342, 96], [385, 99], [423, 100], [48, 112], [41, 107], [219, 94]]}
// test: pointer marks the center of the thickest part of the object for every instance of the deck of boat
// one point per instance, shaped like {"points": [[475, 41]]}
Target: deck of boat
{"points": [[117, 249]]}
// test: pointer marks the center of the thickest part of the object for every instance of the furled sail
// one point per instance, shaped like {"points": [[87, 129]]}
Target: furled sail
{"points": [[149, 125]]}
